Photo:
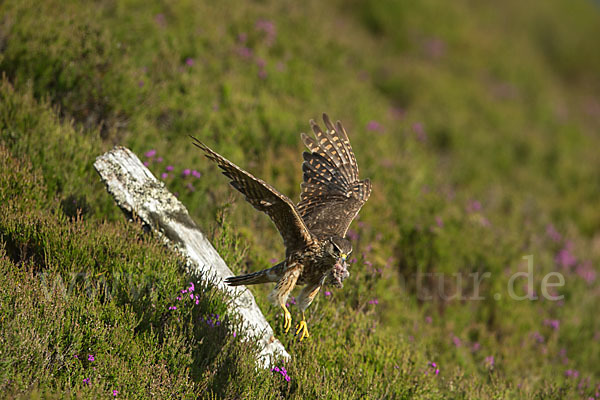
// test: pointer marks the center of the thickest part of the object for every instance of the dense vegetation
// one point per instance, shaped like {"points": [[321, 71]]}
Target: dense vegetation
{"points": [[477, 123]]}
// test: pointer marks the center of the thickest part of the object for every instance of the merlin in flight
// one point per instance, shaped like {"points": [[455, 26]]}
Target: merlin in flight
{"points": [[314, 230]]}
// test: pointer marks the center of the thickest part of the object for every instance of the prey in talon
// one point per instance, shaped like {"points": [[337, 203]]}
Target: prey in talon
{"points": [[313, 230]]}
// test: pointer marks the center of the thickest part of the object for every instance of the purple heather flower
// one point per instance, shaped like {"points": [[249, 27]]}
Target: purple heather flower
{"points": [[268, 28], [261, 62], [183, 291], [282, 371], [91, 357], [374, 301], [586, 271], [150, 153], [146, 163], [565, 258], [160, 19], [537, 337], [158, 160], [173, 308], [553, 323], [190, 187], [265, 25], [327, 293], [196, 174], [164, 175], [191, 296], [374, 126], [292, 300], [141, 83], [433, 366], [572, 373], [76, 356], [86, 381], [213, 320], [192, 287], [439, 222], [115, 392], [189, 62], [169, 168], [244, 52], [419, 131], [473, 206], [428, 319], [553, 233], [476, 346], [489, 360], [273, 260], [456, 341], [186, 172], [234, 334], [242, 37]]}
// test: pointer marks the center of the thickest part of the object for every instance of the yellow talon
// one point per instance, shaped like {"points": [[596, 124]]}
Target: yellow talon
{"points": [[287, 319], [302, 327]]}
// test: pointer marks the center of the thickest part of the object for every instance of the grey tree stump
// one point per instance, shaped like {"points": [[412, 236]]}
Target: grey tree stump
{"points": [[138, 192]]}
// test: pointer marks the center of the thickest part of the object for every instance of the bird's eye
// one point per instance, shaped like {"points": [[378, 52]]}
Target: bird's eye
{"points": [[344, 256]]}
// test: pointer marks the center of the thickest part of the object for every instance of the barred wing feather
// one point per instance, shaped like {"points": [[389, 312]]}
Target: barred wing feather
{"points": [[332, 195]]}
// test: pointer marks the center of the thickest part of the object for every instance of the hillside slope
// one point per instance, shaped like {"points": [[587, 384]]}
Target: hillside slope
{"points": [[478, 126]]}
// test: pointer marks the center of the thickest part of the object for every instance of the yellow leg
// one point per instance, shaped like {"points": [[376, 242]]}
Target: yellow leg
{"points": [[287, 319], [302, 328]]}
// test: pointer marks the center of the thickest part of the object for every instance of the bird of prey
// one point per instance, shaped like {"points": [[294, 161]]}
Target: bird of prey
{"points": [[313, 230]]}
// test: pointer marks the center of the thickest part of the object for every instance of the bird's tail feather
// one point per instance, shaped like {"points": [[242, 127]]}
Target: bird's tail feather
{"points": [[266, 275]]}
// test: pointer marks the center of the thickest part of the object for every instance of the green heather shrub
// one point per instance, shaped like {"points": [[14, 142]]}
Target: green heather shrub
{"points": [[477, 124]]}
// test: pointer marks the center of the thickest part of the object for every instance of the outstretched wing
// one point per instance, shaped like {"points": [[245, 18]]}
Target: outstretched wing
{"points": [[331, 194], [264, 198]]}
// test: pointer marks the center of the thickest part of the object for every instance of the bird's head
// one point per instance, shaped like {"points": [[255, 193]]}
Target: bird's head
{"points": [[339, 249]]}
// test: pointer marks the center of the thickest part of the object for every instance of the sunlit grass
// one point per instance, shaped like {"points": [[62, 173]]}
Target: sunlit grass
{"points": [[476, 123]]}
